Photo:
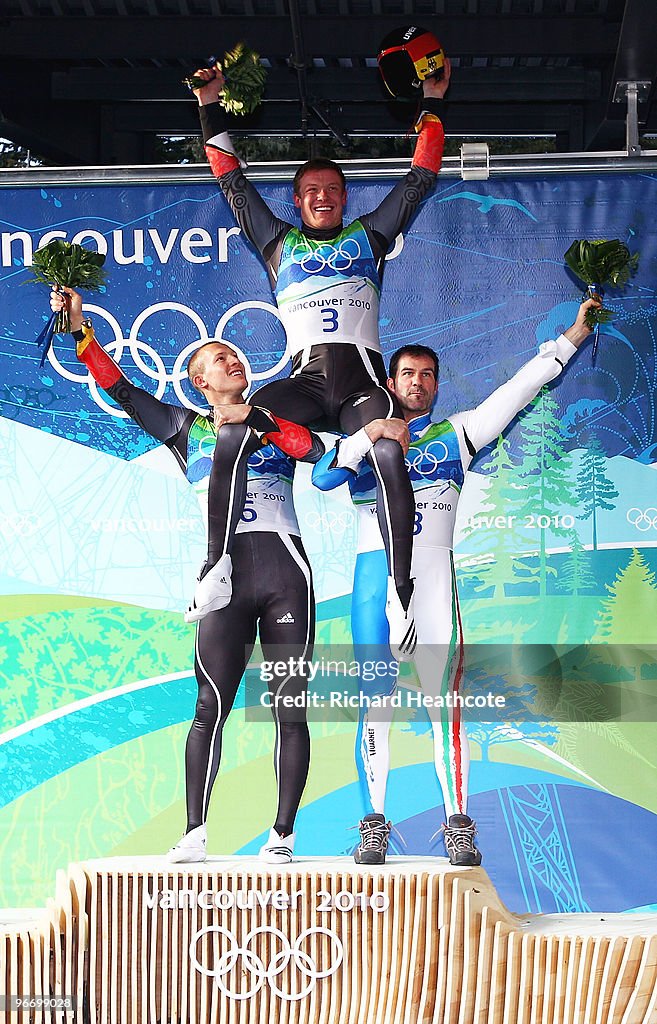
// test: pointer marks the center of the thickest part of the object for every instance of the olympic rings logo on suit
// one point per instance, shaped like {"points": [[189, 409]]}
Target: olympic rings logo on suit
{"points": [[154, 368], [425, 461], [268, 454], [254, 964], [644, 519], [268, 458], [335, 257]]}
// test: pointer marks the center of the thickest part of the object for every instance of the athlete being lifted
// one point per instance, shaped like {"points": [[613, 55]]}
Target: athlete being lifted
{"points": [[438, 459], [326, 279], [273, 590]]}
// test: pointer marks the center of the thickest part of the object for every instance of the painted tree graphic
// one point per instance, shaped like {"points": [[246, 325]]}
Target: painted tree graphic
{"points": [[543, 475], [521, 708], [595, 490], [493, 734], [576, 574], [629, 614], [501, 498]]}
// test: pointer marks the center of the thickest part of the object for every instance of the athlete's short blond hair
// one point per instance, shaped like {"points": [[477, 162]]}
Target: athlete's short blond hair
{"points": [[196, 362]]}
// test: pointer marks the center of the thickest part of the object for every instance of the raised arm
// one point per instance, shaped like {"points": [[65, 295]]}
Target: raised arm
{"points": [[157, 418], [399, 206], [483, 424], [251, 212]]}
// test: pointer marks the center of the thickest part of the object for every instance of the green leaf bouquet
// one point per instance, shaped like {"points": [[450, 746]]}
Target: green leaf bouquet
{"points": [[65, 265], [244, 79], [598, 263]]}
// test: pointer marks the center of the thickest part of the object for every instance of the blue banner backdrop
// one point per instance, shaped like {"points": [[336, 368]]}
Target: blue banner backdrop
{"points": [[100, 535]]}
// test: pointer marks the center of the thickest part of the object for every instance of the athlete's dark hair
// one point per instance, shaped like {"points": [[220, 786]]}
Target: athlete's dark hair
{"points": [[413, 350], [320, 163]]}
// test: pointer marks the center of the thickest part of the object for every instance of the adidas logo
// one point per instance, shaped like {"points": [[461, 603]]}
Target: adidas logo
{"points": [[288, 617], [359, 401]]}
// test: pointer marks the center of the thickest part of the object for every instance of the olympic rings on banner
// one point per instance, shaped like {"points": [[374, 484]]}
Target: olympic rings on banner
{"points": [[644, 519], [134, 345], [84, 376], [253, 965], [334, 522], [178, 374], [150, 363], [335, 257], [425, 461], [254, 304]]}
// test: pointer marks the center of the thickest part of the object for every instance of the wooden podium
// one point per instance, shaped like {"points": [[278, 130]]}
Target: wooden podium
{"points": [[323, 941]]}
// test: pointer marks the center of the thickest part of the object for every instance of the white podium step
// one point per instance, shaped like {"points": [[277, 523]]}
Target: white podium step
{"points": [[322, 941]]}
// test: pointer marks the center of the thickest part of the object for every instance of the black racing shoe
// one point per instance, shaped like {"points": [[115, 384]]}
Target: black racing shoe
{"points": [[459, 833], [374, 835]]}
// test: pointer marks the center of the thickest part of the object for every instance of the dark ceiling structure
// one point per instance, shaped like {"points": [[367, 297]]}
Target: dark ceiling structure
{"points": [[94, 81]]}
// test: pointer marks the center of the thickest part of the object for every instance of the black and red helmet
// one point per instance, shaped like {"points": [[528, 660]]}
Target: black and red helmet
{"points": [[406, 57]]}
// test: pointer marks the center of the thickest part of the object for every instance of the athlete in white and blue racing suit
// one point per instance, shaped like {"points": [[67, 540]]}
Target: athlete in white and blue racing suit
{"points": [[437, 461]]}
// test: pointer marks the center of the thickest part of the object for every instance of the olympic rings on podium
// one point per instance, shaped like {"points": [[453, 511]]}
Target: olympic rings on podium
{"points": [[255, 966]]}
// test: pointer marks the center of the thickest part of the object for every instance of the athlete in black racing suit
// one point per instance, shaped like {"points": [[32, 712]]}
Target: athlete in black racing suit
{"points": [[326, 280], [273, 590]]}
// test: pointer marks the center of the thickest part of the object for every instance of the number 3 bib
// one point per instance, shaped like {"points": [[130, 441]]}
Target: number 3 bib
{"points": [[328, 291]]}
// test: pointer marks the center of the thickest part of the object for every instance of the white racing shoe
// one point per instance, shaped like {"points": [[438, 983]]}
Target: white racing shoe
{"points": [[278, 849], [212, 592], [191, 848], [403, 635]]}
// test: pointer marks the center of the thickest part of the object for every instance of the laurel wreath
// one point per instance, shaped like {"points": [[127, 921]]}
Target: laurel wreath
{"points": [[244, 79]]}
